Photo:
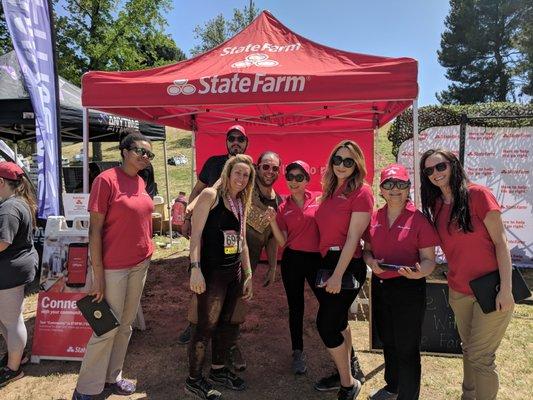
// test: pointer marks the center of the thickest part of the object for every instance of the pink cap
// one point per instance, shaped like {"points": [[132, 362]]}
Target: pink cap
{"points": [[299, 164], [239, 128], [11, 171], [394, 171]]}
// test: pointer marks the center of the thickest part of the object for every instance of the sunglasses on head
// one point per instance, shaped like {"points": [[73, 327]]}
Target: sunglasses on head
{"points": [[236, 138], [391, 184], [143, 152], [297, 177], [428, 171], [338, 160], [267, 167]]}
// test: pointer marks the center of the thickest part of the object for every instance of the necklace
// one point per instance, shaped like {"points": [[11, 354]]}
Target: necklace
{"points": [[237, 210]]}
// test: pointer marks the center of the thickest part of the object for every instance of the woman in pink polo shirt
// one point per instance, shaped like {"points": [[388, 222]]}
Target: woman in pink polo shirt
{"points": [[468, 220], [294, 228], [120, 243], [342, 217], [399, 235]]}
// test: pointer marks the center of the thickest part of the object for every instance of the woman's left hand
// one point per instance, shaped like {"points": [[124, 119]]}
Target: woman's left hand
{"points": [[270, 276], [247, 291], [410, 273], [333, 284], [504, 300]]}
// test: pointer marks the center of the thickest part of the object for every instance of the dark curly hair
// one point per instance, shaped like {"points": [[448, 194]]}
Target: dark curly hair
{"points": [[128, 140], [458, 183]]}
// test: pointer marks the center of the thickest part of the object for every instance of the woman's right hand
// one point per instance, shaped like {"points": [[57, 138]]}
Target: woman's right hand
{"points": [[374, 265], [197, 281], [98, 289]]}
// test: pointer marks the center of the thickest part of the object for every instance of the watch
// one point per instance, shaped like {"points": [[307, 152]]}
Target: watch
{"points": [[193, 264]]}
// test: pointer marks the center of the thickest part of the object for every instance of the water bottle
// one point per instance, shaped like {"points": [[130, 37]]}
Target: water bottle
{"points": [[179, 209]]}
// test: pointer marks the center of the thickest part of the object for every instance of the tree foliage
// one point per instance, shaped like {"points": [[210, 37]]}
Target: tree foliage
{"points": [[481, 50], [217, 30], [5, 41]]}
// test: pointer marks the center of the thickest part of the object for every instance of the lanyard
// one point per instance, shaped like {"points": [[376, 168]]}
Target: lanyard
{"points": [[237, 211]]}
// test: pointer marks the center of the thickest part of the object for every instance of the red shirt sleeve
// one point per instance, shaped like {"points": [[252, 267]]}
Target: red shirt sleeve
{"points": [[100, 196], [362, 200], [482, 201], [427, 234]]}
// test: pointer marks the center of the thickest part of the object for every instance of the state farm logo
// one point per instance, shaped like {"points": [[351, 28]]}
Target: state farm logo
{"points": [[257, 59], [181, 86]]}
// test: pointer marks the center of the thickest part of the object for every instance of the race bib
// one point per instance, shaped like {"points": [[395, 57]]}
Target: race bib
{"points": [[231, 242]]}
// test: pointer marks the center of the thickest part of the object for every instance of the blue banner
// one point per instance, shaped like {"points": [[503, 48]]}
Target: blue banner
{"points": [[30, 28]]}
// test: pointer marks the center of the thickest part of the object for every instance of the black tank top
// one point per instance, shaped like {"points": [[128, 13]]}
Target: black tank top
{"points": [[221, 225]]}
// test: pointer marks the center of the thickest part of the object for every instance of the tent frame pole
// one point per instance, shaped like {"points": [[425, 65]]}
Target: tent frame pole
{"points": [[167, 188], [416, 154], [85, 150], [193, 160]]}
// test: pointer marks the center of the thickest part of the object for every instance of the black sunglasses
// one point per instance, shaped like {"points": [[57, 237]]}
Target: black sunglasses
{"points": [[236, 138], [297, 177], [391, 184], [143, 152], [267, 167], [338, 160], [428, 171]]}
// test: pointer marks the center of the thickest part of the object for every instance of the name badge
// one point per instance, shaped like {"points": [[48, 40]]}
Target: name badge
{"points": [[231, 242]]}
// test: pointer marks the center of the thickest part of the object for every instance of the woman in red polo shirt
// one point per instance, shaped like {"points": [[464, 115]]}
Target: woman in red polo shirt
{"points": [[120, 243], [399, 235], [342, 217], [468, 220], [294, 228]]}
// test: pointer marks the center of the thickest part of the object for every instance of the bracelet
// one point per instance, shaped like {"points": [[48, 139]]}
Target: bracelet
{"points": [[193, 264]]}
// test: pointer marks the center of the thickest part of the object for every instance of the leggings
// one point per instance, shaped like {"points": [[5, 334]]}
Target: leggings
{"points": [[215, 308], [296, 268], [332, 317], [11, 321]]}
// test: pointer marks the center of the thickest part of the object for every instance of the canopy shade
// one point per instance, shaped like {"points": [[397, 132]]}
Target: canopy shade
{"points": [[17, 121], [267, 78]]}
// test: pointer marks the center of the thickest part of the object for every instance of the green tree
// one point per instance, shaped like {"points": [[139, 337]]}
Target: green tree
{"points": [[524, 42], [217, 30], [478, 50], [5, 41]]}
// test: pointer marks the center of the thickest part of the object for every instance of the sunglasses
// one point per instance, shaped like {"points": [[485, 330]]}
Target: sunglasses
{"points": [[236, 138], [268, 167], [143, 152], [428, 171], [338, 160], [391, 184], [295, 177]]}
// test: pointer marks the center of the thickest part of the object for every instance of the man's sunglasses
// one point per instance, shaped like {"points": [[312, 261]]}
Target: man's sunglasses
{"points": [[391, 184], [297, 177], [428, 171], [267, 167], [143, 152], [338, 160], [236, 138]]}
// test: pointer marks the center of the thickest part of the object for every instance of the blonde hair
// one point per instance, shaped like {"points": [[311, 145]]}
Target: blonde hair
{"points": [[355, 180], [246, 194]]}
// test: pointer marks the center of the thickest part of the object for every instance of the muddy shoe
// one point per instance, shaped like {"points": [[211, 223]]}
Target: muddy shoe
{"points": [[122, 387], [299, 366], [80, 396], [185, 336], [357, 372], [329, 383], [236, 359], [7, 375], [382, 394], [201, 389], [223, 376], [350, 393]]}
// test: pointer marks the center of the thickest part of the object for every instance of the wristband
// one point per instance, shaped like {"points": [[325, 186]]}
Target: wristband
{"points": [[193, 264]]}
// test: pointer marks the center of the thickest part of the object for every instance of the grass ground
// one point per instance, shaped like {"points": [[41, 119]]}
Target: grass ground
{"points": [[158, 364]]}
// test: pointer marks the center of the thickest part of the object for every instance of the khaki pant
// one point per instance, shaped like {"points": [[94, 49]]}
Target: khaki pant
{"points": [[481, 335], [12, 325], [105, 354]]}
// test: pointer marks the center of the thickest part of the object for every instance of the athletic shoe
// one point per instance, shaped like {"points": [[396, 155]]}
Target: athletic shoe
{"points": [[236, 359], [357, 372], [382, 394], [299, 366], [201, 389], [3, 361], [122, 387], [185, 336], [223, 376], [80, 396], [7, 375], [349, 393], [329, 383]]}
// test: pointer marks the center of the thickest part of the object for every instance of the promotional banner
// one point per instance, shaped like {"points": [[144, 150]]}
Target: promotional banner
{"points": [[309, 147], [499, 158], [30, 29]]}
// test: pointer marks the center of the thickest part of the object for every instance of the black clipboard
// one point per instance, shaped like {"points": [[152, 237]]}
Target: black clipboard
{"points": [[99, 315]]}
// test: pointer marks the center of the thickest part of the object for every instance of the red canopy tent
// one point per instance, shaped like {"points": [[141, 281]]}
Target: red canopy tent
{"points": [[272, 81]]}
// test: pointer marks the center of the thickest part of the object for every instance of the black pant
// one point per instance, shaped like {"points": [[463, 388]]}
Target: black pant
{"points": [[398, 307], [215, 308], [296, 268], [332, 317]]}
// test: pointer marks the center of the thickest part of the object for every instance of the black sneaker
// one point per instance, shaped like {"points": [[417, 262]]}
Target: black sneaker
{"points": [[7, 375], [349, 393], [24, 360], [223, 376], [329, 383], [236, 359], [185, 336], [201, 389], [357, 372]]}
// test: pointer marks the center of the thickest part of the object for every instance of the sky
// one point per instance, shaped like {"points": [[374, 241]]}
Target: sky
{"points": [[394, 28]]}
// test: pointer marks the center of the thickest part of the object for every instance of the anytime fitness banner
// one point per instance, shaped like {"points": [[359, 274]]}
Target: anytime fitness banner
{"points": [[313, 148], [30, 29], [499, 158]]}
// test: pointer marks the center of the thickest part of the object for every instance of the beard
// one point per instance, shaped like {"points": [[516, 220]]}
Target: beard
{"points": [[262, 181]]}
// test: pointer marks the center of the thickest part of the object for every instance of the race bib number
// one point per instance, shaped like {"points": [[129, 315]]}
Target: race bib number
{"points": [[231, 242]]}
